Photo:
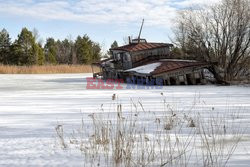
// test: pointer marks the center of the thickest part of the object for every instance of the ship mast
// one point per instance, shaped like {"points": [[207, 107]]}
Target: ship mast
{"points": [[139, 37]]}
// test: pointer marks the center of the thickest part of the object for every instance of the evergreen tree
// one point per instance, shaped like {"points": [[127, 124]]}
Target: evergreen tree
{"points": [[5, 44], [50, 51], [27, 50], [96, 52], [40, 55], [114, 45], [82, 51], [24, 48], [86, 50]]}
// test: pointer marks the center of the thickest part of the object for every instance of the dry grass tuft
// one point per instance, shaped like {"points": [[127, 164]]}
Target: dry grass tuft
{"points": [[46, 69], [138, 137]]}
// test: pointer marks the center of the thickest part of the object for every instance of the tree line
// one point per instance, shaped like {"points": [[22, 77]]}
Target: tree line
{"points": [[26, 50]]}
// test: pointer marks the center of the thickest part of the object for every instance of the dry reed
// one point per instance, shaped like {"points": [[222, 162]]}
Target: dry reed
{"points": [[142, 138], [46, 69]]}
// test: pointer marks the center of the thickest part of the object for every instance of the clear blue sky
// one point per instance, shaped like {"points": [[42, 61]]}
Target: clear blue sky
{"points": [[103, 20]]}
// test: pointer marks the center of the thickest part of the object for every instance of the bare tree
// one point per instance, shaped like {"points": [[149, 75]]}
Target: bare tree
{"points": [[219, 35], [37, 37]]}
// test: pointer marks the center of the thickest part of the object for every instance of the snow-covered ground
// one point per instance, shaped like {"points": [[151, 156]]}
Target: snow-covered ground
{"points": [[31, 106], [145, 69]]}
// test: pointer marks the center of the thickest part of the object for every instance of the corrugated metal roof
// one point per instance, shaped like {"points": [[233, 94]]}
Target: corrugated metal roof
{"points": [[172, 65], [133, 47]]}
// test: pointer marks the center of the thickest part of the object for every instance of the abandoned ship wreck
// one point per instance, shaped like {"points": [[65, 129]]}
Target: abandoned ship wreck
{"points": [[145, 61]]}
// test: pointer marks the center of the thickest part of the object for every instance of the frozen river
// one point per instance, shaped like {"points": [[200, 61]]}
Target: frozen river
{"points": [[32, 105]]}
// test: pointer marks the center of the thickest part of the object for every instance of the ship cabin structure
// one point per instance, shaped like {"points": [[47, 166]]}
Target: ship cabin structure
{"points": [[145, 61]]}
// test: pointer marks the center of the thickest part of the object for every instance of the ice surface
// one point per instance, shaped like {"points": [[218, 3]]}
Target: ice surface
{"points": [[32, 105]]}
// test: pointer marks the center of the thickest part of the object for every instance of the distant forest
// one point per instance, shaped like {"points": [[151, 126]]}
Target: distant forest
{"points": [[27, 50]]}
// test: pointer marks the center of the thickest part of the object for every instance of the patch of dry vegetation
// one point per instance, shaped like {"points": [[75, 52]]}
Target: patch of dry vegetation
{"points": [[46, 69], [144, 138]]}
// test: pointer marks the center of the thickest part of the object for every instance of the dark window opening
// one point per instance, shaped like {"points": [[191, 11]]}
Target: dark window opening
{"points": [[172, 81], [198, 81], [165, 82], [119, 76], [182, 83], [189, 79]]}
